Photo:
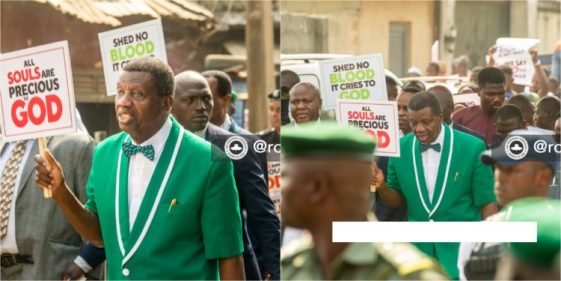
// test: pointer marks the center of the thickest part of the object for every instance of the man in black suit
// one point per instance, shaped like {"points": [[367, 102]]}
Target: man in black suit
{"points": [[192, 107], [220, 85]]}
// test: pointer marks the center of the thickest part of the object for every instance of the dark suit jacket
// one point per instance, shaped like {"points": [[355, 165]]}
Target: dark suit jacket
{"points": [[259, 218], [467, 130], [262, 157]]}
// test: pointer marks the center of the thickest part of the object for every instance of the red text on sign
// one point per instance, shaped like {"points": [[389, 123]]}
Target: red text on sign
{"points": [[36, 110]]}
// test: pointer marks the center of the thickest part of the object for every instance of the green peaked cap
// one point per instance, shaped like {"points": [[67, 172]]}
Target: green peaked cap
{"points": [[547, 213], [326, 139]]}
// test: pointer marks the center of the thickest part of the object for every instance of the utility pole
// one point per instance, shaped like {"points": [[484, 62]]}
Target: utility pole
{"points": [[447, 36], [260, 61]]}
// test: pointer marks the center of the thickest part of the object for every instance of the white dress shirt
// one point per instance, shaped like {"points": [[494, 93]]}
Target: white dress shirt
{"points": [[201, 133], [9, 244], [431, 163], [141, 170], [227, 123]]}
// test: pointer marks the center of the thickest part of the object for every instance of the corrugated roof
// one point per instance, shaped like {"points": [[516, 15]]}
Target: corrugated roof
{"points": [[109, 11]]}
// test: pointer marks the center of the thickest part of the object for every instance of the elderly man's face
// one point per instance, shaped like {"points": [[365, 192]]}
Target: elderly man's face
{"points": [[304, 104], [425, 124], [193, 105], [138, 106]]}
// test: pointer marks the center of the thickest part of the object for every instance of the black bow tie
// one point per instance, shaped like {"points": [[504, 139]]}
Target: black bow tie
{"points": [[425, 147]]}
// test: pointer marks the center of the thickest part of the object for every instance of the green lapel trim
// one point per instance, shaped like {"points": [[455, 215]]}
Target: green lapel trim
{"points": [[420, 175], [124, 196], [442, 177], [153, 186], [442, 165], [446, 171]]}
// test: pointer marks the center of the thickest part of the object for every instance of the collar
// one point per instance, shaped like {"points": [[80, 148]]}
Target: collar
{"points": [[440, 138], [202, 133], [227, 123], [158, 140]]}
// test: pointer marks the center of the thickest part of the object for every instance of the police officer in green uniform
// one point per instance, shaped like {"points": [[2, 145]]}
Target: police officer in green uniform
{"points": [[326, 175], [533, 261]]}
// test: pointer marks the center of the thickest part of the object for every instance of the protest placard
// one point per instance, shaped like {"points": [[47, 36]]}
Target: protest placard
{"points": [[515, 52], [273, 168], [36, 92], [470, 99], [354, 78], [378, 119], [119, 46]]}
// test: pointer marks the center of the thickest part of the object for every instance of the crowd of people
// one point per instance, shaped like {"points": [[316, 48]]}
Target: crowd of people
{"points": [[161, 200], [452, 167]]}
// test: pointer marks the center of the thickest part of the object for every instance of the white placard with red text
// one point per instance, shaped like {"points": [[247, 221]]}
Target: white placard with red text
{"points": [[470, 99], [118, 46], [273, 168], [515, 52], [37, 92], [378, 119]]}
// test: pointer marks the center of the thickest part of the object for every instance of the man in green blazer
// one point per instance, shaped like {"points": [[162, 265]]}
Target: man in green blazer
{"points": [[163, 206], [438, 176]]}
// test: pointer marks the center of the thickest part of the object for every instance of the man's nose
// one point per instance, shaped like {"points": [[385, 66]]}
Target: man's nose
{"points": [[500, 176], [199, 104], [123, 100], [418, 128]]}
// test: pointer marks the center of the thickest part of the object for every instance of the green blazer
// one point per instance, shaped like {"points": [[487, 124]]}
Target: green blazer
{"points": [[183, 240], [463, 186]]}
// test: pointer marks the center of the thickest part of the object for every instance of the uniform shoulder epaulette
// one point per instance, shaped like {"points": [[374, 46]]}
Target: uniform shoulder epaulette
{"points": [[404, 257]]}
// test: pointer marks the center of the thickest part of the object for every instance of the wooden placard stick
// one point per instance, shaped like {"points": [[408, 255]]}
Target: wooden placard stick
{"points": [[47, 192]]}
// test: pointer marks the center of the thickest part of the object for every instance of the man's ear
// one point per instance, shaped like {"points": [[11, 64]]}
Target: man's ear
{"points": [[228, 99], [168, 103], [318, 187]]}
